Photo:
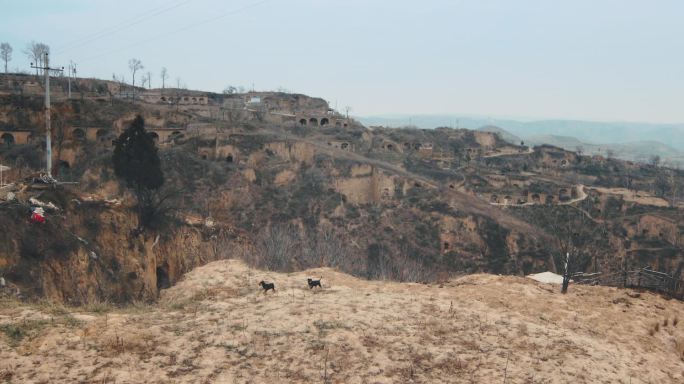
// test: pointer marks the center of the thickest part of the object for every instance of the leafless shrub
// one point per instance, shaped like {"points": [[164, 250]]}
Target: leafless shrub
{"points": [[6, 374], [277, 246]]}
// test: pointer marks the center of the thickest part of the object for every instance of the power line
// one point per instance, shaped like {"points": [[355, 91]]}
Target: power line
{"points": [[119, 27], [185, 28]]}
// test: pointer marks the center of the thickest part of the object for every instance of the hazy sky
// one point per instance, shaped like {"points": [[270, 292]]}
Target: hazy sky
{"points": [[584, 59]]}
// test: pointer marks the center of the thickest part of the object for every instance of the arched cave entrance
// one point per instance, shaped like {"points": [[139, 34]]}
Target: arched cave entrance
{"points": [[7, 139], [101, 135], [324, 121], [63, 169], [78, 134], [163, 281], [313, 121], [229, 158], [302, 121], [154, 136]]}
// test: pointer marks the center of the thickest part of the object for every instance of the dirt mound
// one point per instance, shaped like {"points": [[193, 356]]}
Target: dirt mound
{"points": [[217, 326]]}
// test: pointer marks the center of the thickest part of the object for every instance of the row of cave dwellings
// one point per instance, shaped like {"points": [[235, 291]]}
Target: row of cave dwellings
{"points": [[323, 122], [564, 194], [76, 134]]}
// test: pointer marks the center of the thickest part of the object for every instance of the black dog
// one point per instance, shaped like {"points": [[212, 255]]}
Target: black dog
{"points": [[267, 286], [314, 283]]}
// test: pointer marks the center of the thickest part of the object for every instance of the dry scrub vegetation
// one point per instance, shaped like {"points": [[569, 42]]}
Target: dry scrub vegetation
{"points": [[217, 327]]}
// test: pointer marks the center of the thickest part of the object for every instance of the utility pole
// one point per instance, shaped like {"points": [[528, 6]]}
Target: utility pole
{"points": [[48, 132], [72, 71]]}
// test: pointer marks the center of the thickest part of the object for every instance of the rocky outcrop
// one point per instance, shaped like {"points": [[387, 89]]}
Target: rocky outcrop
{"points": [[368, 185], [90, 252]]}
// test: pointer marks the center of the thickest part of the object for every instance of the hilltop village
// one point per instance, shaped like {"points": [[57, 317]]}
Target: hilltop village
{"points": [[286, 182]]}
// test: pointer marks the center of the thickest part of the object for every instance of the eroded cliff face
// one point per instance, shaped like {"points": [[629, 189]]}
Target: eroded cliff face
{"points": [[89, 252], [367, 184]]}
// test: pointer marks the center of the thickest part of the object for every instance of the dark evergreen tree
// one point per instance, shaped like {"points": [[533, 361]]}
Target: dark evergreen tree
{"points": [[137, 163]]}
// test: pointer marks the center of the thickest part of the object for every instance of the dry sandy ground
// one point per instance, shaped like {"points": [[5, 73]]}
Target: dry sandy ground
{"points": [[217, 327], [639, 197]]}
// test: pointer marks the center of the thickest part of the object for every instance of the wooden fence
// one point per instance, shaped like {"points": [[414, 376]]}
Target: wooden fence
{"points": [[644, 278]]}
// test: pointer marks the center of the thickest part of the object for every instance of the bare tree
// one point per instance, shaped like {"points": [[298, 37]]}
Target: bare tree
{"points": [[35, 52], [134, 65], [576, 241], [121, 80], [347, 109], [164, 75], [654, 161], [149, 80], [5, 54], [674, 183], [278, 246]]}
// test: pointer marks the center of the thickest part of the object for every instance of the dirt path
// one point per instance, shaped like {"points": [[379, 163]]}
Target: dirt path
{"points": [[639, 197], [582, 195], [529, 151]]}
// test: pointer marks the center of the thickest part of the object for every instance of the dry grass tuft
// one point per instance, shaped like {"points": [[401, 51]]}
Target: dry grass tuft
{"points": [[17, 332], [6, 374]]}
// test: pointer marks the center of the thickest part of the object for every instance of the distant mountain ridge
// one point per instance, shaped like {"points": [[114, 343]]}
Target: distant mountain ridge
{"points": [[629, 141], [633, 151]]}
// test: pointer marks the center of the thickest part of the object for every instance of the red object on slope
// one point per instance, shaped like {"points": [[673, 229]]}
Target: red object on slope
{"points": [[37, 218]]}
